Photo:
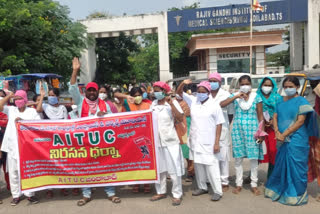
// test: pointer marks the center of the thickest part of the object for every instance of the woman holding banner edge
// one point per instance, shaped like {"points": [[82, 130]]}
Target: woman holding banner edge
{"points": [[10, 140], [170, 154]]}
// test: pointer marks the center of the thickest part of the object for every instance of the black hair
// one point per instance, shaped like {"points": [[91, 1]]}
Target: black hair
{"points": [[245, 77], [265, 79], [5, 94], [134, 90], [314, 83], [292, 79], [144, 87], [34, 98], [56, 91]]}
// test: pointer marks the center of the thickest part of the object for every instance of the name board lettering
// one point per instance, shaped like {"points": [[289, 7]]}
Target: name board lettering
{"points": [[275, 12]]}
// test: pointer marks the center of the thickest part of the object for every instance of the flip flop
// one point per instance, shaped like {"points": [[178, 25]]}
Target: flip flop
{"points": [[158, 197], [83, 201], [237, 190], [114, 199]]}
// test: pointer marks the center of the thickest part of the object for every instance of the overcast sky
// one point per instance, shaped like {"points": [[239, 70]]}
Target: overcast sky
{"points": [[80, 9]]}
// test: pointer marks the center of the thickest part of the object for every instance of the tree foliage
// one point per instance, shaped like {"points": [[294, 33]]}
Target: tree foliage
{"points": [[113, 66], [38, 36], [281, 58]]}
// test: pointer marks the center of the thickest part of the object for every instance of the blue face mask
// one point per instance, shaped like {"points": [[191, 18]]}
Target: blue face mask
{"points": [[52, 100], [159, 95], [202, 96], [214, 86], [144, 95], [290, 91]]}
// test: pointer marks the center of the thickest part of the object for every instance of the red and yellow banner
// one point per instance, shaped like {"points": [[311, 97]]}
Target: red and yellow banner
{"points": [[113, 150]]}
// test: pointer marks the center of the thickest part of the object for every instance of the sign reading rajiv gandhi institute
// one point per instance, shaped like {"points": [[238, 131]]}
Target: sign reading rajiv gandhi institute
{"points": [[274, 12]]}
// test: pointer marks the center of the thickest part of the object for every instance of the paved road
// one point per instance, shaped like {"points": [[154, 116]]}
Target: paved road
{"points": [[245, 203]]}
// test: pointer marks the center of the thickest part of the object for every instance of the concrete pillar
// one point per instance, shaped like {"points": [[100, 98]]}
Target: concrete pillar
{"points": [[88, 62], [212, 65], [260, 60], [296, 47], [164, 61], [313, 33], [306, 47]]}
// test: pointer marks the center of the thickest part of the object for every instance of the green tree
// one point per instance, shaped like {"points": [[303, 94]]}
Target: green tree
{"points": [[281, 58], [113, 65], [38, 36]]}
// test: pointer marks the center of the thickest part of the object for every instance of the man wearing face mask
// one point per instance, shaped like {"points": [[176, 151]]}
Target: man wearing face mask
{"points": [[219, 95], [10, 140], [89, 106]]}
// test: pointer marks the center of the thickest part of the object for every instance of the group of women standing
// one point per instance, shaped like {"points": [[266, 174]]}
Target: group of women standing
{"points": [[283, 124]]}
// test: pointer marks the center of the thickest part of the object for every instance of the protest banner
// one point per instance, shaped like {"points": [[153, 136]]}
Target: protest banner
{"points": [[89, 152]]}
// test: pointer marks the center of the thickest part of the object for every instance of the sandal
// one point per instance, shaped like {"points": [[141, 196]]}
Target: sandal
{"points": [[147, 188], [318, 199], [135, 188], [255, 191], [114, 199], [225, 188], [49, 194], [158, 197], [237, 190], [83, 201], [176, 201]]}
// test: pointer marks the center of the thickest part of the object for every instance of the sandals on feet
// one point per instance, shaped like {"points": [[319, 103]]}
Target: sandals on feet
{"points": [[114, 199], [83, 201], [255, 191], [176, 201], [237, 190], [158, 197]]}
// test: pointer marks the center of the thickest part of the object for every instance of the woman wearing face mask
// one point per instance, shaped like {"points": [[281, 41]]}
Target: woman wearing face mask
{"points": [[205, 131], [270, 97], [53, 111], [248, 114], [103, 95], [138, 105], [145, 96], [170, 155], [10, 140], [288, 182]]}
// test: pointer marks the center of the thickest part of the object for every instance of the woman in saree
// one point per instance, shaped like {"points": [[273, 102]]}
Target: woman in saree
{"points": [[288, 182]]}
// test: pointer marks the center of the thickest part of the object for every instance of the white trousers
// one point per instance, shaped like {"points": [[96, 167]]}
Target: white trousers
{"points": [[14, 178], [239, 172], [210, 172], [224, 172], [161, 187]]}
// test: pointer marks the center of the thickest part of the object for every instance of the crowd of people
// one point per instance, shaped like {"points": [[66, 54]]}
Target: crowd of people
{"points": [[266, 128]]}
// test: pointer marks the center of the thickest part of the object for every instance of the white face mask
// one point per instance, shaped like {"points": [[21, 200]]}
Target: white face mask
{"points": [[102, 96], [245, 88], [266, 89]]}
